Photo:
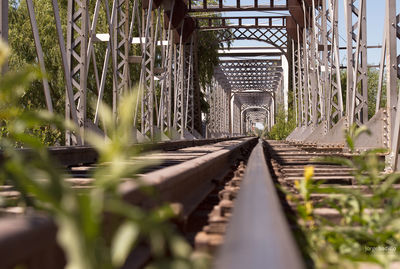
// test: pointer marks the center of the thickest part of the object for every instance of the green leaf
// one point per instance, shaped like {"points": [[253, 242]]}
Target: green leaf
{"points": [[123, 241], [180, 247]]}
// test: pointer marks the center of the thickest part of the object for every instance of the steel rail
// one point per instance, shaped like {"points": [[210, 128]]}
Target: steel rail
{"points": [[30, 239], [258, 234], [77, 155]]}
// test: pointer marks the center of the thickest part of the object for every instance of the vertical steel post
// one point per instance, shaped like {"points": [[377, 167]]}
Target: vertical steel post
{"points": [[189, 96], [348, 4], [306, 82], [335, 99], [393, 102], [324, 62], [295, 84], [164, 119], [4, 20], [121, 45], [300, 71], [357, 62], [77, 38], [391, 61], [313, 65], [4, 27], [381, 71], [67, 74], [39, 52], [147, 73], [179, 110]]}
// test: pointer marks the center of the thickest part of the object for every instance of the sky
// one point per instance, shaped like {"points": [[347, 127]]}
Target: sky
{"points": [[375, 23]]}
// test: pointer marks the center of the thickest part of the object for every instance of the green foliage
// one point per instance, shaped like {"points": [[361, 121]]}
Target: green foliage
{"points": [[282, 127], [80, 213], [23, 51], [370, 224], [373, 80], [208, 46], [207, 51]]}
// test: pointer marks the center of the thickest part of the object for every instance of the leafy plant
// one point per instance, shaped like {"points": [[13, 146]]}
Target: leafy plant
{"points": [[369, 229], [284, 125]]}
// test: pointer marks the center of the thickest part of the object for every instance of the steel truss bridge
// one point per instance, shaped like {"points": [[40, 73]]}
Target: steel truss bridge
{"points": [[300, 56]]}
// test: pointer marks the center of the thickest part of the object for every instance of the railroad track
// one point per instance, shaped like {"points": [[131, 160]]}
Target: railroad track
{"points": [[287, 162], [225, 197], [187, 174]]}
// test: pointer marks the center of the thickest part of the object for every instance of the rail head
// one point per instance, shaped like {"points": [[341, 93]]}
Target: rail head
{"points": [[258, 234]]}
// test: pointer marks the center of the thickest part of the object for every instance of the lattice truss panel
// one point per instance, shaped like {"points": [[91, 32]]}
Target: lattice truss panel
{"points": [[164, 116], [146, 85], [258, 99], [77, 29], [251, 74], [236, 130], [184, 89], [276, 37], [319, 38], [189, 98], [121, 44], [331, 64], [325, 73], [218, 97], [310, 82], [299, 78], [296, 72], [305, 80], [316, 73]]}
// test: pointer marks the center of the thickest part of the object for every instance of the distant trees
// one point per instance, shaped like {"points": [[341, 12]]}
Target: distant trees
{"points": [[23, 50]]}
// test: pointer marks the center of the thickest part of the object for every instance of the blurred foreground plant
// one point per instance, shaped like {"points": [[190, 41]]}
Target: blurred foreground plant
{"points": [[79, 213], [369, 228]]}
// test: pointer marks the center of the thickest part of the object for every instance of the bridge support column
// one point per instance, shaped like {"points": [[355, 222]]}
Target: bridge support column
{"points": [[357, 100], [285, 84], [76, 53], [392, 73], [189, 88], [121, 50], [311, 65], [165, 113]]}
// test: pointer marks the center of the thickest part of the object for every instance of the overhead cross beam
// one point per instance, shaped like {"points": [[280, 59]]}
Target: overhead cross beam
{"points": [[275, 36], [250, 52], [204, 6], [209, 23]]}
